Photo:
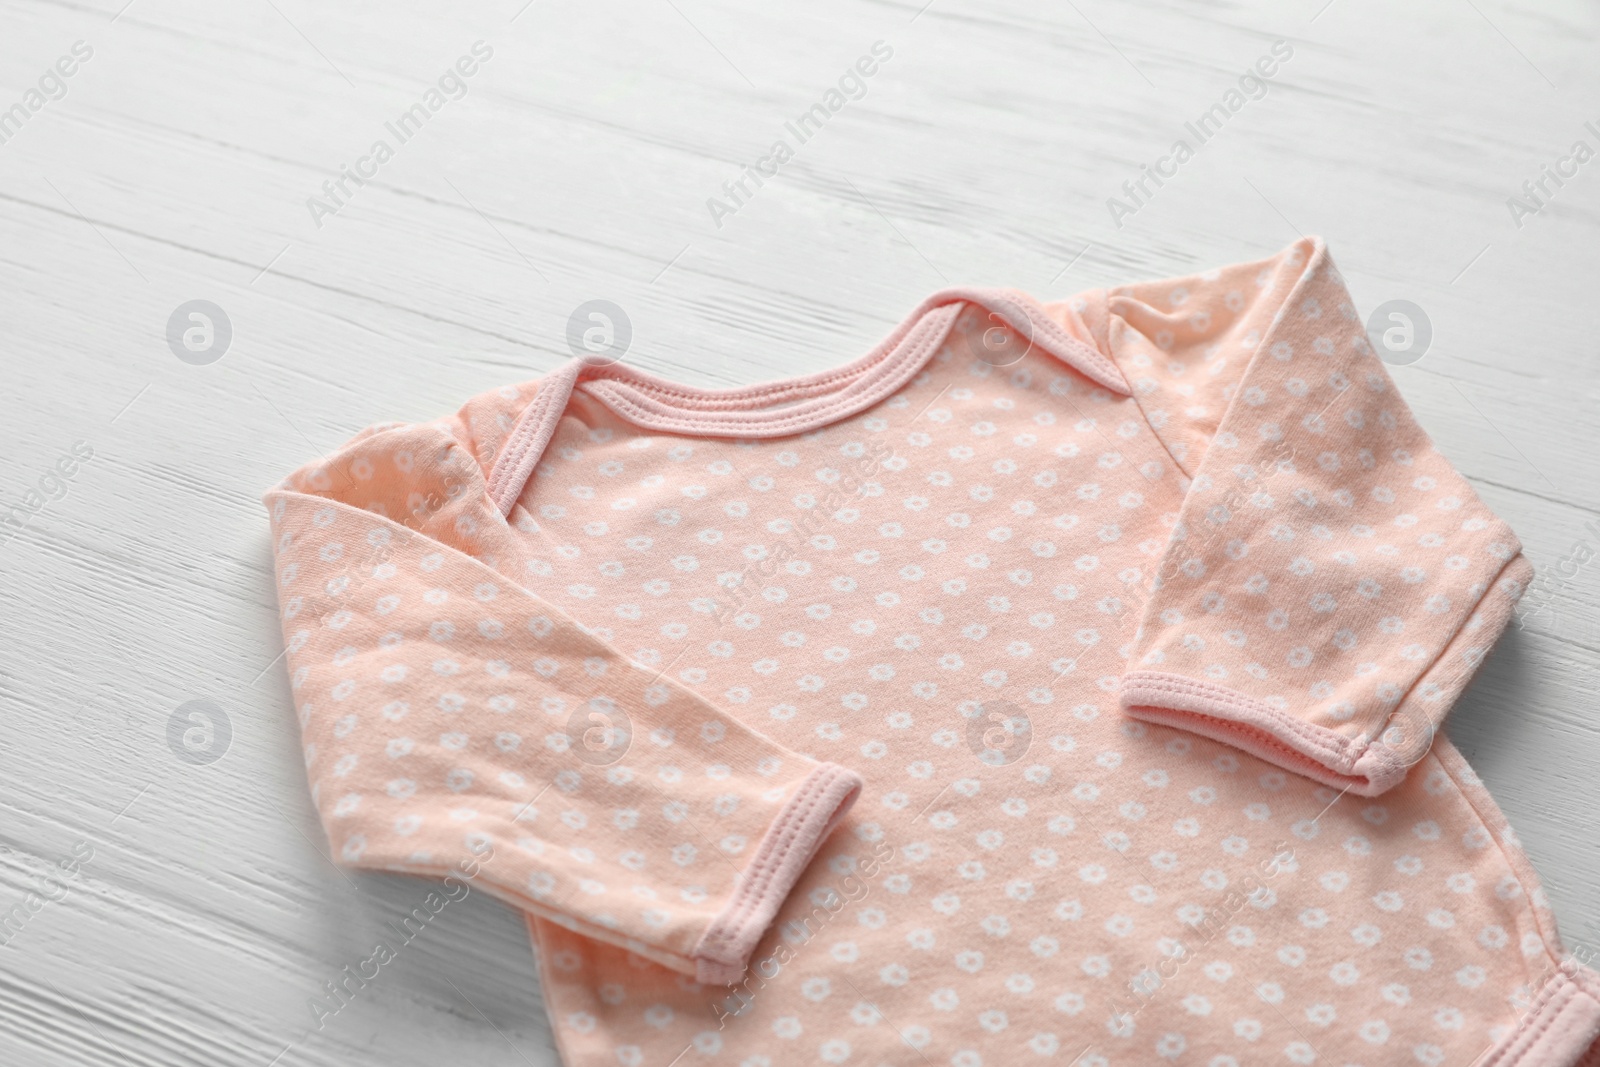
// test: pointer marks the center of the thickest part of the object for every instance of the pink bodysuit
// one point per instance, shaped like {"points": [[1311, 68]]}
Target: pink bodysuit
{"points": [[1057, 683]]}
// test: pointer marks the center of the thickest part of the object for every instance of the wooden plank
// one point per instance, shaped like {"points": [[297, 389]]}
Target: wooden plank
{"points": [[578, 165]]}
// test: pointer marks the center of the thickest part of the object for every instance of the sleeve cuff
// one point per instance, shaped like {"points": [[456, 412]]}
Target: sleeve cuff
{"points": [[819, 803], [1362, 765], [1365, 761]]}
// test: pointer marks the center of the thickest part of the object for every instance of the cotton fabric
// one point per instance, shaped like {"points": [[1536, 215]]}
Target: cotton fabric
{"points": [[1055, 683]]}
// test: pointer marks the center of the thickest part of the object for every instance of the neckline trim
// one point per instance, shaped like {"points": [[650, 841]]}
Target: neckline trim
{"points": [[786, 406]]}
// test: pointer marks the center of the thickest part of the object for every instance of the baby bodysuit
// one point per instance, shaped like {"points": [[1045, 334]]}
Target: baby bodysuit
{"points": [[1056, 683]]}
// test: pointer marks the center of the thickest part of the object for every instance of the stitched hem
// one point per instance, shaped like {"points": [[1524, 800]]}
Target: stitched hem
{"points": [[1359, 765], [1561, 1028], [817, 806], [718, 416], [528, 438], [823, 398]]}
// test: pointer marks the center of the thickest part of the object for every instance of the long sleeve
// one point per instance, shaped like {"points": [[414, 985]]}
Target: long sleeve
{"points": [[1331, 583], [455, 724]]}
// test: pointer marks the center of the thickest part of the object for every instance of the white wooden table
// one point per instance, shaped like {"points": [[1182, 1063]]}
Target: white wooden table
{"points": [[178, 164]]}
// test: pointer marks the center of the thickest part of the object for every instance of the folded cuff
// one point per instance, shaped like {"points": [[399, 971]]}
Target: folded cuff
{"points": [[821, 801], [1362, 765]]}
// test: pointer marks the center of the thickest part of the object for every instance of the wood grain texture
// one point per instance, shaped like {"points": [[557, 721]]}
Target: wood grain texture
{"points": [[577, 166]]}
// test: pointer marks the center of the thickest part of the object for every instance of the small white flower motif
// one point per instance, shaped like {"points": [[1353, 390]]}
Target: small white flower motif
{"points": [[993, 1021], [834, 1050], [1389, 900], [1345, 973], [995, 925], [1299, 1052], [1366, 935]]}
